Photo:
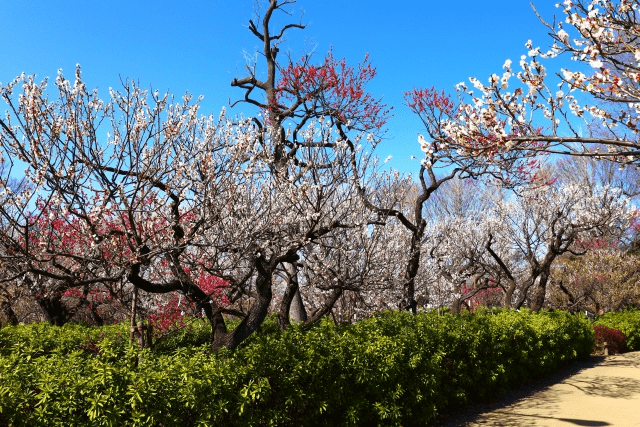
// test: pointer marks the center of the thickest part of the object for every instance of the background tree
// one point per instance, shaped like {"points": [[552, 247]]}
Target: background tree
{"points": [[10, 291], [513, 242], [442, 163], [460, 222], [602, 280]]}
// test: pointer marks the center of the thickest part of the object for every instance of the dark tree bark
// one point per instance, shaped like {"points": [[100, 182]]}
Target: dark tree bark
{"points": [[54, 310], [259, 309], [511, 288], [9, 314], [325, 309], [134, 313]]}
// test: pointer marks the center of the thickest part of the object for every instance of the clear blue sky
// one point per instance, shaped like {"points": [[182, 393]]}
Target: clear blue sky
{"points": [[197, 45]]}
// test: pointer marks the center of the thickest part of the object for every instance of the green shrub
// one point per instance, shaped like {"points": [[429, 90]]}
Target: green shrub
{"points": [[392, 369], [39, 339], [627, 322]]}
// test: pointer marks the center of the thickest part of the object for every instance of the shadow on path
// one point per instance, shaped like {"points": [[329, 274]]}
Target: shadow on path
{"points": [[499, 403], [515, 419], [606, 386]]}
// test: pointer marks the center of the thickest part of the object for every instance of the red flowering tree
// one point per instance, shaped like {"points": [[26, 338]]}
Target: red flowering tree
{"points": [[331, 89], [60, 246], [56, 247], [172, 313], [302, 105], [490, 295]]}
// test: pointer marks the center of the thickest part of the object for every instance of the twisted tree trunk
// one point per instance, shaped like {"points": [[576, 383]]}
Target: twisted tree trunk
{"points": [[9, 314]]}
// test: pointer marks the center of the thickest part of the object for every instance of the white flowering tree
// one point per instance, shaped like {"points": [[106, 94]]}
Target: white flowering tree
{"points": [[513, 242], [441, 164], [359, 266], [369, 258], [10, 293], [605, 277], [455, 258], [444, 161], [527, 110], [140, 189]]}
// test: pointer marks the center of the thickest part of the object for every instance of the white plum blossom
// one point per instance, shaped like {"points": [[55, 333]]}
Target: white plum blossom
{"points": [[596, 63], [563, 36], [544, 114]]}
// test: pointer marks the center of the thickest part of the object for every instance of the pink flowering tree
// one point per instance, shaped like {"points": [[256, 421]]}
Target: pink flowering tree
{"points": [[59, 246], [57, 283], [488, 296]]}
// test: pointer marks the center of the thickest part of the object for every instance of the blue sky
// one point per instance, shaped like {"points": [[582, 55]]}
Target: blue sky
{"points": [[198, 45]]}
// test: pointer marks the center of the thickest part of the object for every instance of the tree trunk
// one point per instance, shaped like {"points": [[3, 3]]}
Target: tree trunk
{"points": [[95, 317], [508, 296], [8, 313], [132, 319], [539, 298], [297, 312], [54, 310], [525, 290], [291, 306], [572, 298], [456, 305], [326, 308], [409, 299], [256, 316]]}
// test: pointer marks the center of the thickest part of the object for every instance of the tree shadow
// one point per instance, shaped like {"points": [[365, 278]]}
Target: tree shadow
{"points": [[606, 386]]}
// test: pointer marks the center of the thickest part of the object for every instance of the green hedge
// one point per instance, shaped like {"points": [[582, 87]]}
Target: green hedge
{"points": [[627, 322], [393, 369], [41, 339]]}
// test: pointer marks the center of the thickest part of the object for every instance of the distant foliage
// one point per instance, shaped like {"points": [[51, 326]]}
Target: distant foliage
{"points": [[628, 322]]}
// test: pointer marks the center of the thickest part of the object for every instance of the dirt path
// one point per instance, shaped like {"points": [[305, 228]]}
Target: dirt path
{"points": [[602, 391]]}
